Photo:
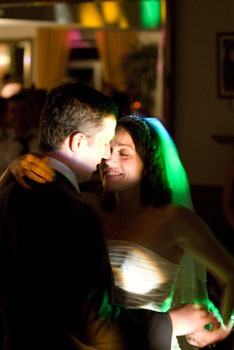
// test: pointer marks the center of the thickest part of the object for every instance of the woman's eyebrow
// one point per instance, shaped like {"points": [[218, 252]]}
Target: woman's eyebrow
{"points": [[125, 145]]}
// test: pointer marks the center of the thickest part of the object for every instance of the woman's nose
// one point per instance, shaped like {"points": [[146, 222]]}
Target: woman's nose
{"points": [[110, 161]]}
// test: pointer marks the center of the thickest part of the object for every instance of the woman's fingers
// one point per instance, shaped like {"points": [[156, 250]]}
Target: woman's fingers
{"points": [[22, 182], [36, 169], [204, 337], [33, 167]]}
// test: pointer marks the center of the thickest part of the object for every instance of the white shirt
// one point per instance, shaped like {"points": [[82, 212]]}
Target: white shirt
{"points": [[65, 170]]}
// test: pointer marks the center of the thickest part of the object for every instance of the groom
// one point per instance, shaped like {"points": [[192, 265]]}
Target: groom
{"points": [[56, 282]]}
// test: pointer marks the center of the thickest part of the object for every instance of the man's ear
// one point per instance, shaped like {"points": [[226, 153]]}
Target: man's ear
{"points": [[77, 140]]}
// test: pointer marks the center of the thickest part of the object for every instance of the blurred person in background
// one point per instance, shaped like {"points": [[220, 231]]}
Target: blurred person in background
{"points": [[20, 135]]}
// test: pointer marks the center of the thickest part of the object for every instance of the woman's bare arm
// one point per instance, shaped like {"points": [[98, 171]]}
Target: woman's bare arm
{"points": [[6, 178], [197, 240]]}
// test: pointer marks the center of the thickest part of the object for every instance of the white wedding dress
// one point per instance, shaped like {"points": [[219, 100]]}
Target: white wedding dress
{"points": [[142, 278]]}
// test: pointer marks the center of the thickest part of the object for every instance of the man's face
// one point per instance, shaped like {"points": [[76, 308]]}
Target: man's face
{"points": [[97, 148]]}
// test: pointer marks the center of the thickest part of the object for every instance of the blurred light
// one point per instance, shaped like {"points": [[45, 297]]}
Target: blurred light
{"points": [[137, 105], [62, 13], [10, 89], [76, 39], [4, 60], [163, 12], [111, 12], [150, 13], [27, 64], [90, 16], [4, 55], [123, 23], [119, 14]]}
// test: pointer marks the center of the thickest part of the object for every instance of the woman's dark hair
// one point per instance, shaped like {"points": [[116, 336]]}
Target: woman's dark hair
{"points": [[155, 189]]}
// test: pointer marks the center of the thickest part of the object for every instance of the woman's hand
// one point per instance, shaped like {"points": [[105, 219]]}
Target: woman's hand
{"points": [[32, 166], [189, 318]]}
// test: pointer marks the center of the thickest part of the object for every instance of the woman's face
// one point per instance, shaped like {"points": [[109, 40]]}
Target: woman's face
{"points": [[123, 170]]}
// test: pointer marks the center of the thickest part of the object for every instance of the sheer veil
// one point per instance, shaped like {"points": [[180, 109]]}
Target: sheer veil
{"points": [[191, 281]]}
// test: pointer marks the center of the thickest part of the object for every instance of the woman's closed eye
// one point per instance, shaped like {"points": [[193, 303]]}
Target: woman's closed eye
{"points": [[124, 154]]}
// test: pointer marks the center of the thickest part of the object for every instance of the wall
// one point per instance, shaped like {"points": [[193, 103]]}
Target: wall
{"points": [[198, 112]]}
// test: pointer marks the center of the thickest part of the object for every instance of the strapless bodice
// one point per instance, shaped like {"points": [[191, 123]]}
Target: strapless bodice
{"points": [[148, 280], [142, 277]]}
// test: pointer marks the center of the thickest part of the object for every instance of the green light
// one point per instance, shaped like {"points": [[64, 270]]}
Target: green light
{"points": [[150, 13], [175, 171]]}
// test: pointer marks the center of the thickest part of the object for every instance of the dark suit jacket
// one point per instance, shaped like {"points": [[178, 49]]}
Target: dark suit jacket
{"points": [[54, 272]]}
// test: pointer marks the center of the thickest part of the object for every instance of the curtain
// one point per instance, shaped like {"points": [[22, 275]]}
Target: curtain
{"points": [[52, 56], [112, 46]]}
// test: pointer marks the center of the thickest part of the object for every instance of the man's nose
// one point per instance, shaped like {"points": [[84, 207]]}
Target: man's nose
{"points": [[107, 153]]}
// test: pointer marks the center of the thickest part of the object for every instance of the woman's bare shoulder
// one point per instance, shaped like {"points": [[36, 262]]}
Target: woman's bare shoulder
{"points": [[180, 220], [174, 211]]}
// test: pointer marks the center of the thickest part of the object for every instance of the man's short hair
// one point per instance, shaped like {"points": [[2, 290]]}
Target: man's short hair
{"points": [[73, 107]]}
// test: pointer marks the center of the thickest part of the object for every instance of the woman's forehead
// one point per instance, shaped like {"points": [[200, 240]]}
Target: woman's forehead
{"points": [[122, 136]]}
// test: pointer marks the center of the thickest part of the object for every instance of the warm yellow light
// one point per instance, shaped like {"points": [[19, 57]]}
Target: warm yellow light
{"points": [[4, 60], [4, 56], [163, 12], [123, 23], [27, 65], [114, 14], [111, 12], [90, 16]]}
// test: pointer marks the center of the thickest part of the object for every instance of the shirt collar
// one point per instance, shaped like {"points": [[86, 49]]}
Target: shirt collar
{"points": [[65, 170]]}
